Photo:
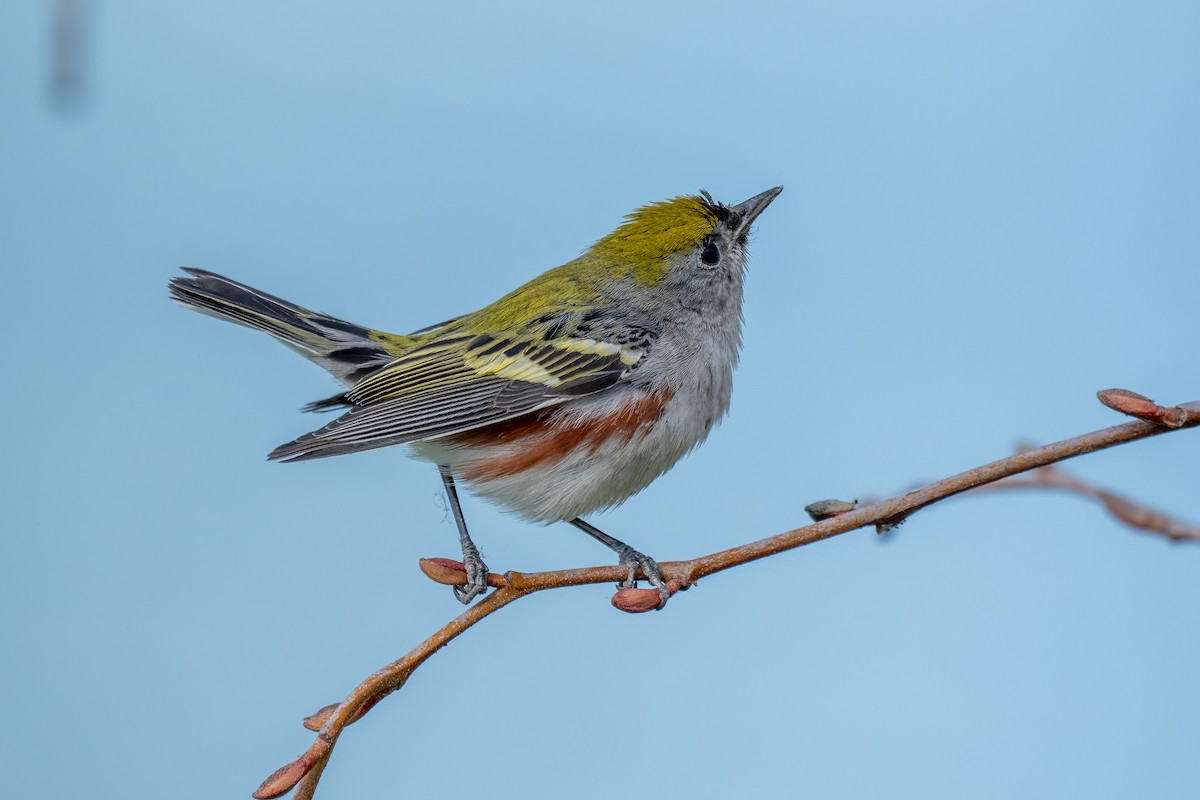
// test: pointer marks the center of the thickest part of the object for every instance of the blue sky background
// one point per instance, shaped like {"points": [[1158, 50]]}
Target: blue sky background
{"points": [[990, 213]]}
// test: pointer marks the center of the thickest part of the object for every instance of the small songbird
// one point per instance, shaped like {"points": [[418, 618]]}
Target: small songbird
{"points": [[568, 395]]}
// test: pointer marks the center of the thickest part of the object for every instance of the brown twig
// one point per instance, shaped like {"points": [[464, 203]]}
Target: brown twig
{"points": [[305, 771], [1129, 512]]}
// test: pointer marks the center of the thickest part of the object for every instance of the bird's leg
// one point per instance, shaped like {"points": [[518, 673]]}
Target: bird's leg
{"points": [[477, 571], [627, 557]]}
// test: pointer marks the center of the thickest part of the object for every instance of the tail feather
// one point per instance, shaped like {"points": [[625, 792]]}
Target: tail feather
{"points": [[349, 352]]}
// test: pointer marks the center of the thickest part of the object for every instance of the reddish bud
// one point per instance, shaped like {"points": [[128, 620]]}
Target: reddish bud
{"points": [[637, 601], [317, 720], [1142, 407], [1127, 402], [283, 780], [453, 573], [444, 570]]}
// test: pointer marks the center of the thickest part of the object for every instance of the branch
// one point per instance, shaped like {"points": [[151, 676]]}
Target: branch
{"points": [[1131, 513], [305, 772]]}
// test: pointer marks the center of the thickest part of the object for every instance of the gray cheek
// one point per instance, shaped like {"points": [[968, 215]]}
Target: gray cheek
{"points": [[710, 292]]}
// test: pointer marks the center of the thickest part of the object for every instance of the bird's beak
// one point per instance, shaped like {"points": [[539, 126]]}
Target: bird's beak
{"points": [[752, 208]]}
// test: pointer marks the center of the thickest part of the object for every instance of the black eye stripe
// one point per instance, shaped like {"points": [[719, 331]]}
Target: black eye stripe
{"points": [[710, 254]]}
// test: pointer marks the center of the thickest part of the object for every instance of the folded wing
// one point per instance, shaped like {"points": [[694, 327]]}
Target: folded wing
{"points": [[459, 382]]}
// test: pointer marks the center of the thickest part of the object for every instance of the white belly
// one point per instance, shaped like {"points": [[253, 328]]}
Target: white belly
{"points": [[593, 475]]}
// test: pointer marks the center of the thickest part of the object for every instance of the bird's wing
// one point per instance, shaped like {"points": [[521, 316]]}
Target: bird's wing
{"points": [[458, 382]]}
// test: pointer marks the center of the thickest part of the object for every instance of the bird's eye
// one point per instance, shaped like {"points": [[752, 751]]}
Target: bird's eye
{"points": [[710, 254]]}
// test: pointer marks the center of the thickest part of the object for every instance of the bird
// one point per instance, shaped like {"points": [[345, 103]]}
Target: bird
{"points": [[566, 396]]}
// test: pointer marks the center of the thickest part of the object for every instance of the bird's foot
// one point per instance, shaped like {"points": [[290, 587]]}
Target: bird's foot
{"points": [[477, 576], [635, 560]]}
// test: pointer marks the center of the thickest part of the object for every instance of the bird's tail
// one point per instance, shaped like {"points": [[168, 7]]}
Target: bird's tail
{"points": [[348, 351]]}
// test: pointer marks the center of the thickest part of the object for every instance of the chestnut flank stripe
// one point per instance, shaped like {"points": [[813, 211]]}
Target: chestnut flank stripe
{"points": [[549, 439]]}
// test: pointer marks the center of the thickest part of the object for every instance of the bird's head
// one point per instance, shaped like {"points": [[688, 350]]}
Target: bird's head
{"points": [[691, 246]]}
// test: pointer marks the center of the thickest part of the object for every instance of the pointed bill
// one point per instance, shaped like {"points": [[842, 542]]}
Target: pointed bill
{"points": [[751, 208]]}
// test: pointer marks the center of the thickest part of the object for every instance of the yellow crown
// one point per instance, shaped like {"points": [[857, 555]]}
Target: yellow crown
{"points": [[655, 231]]}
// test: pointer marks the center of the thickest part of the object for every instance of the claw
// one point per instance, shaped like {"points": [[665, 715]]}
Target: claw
{"points": [[477, 576], [628, 557], [465, 594], [635, 560]]}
